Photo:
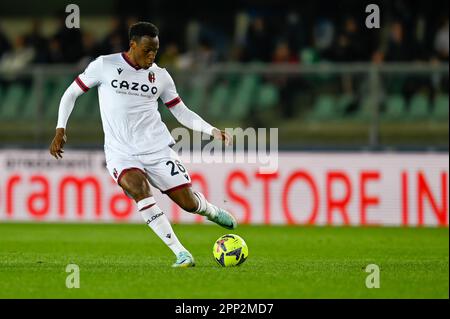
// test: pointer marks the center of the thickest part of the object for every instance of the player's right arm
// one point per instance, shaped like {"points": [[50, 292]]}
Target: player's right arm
{"points": [[89, 78], [65, 108], [187, 117]]}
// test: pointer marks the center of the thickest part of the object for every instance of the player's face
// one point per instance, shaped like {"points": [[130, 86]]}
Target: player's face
{"points": [[145, 51]]}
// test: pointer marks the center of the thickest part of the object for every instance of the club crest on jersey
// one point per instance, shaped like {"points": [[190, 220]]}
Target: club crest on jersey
{"points": [[151, 77]]}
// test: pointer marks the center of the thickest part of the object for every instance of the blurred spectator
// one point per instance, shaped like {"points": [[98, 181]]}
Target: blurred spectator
{"points": [[294, 33], [170, 57], [117, 39], [38, 42], [283, 54], [215, 38], [398, 48], [377, 57], [441, 42], [130, 20], [55, 53], [4, 43], [259, 41], [349, 44], [413, 37], [341, 49], [18, 58], [114, 41], [236, 53], [70, 41], [90, 49], [207, 54], [323, 35], [286, 84], [202, 56]]}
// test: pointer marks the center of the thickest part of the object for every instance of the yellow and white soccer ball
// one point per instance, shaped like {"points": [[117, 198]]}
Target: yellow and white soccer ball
{"points": [[230, 250]]}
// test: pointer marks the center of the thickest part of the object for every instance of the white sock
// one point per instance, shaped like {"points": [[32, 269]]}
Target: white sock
{"points": [[158, 222], [204, 207]]}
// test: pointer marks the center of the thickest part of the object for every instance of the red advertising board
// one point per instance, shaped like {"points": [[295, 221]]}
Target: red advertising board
{"points": [[361, 189]]}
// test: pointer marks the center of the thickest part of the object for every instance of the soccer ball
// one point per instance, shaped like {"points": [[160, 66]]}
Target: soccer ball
{"points": [[230, 250]]}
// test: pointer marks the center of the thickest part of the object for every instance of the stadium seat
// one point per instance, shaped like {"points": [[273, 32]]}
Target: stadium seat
{"points": [[182, 91], [31, 104], [309, 56], [93, 113], [2, 91], [86, 106], [324, 108], [365, 109], [395, 83], [343, 102], [218, 100], [55, 90], [233, 78], [13, 101], [243, 97], [395, 107], [419, 107], [59, 85], [268, 96], [196, 97], [440, 107]]}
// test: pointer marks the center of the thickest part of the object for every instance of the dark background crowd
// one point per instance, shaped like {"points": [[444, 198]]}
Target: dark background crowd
{"points": [[304, 33]]}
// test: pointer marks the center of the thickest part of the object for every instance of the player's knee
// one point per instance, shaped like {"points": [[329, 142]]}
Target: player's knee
{"points": [[136, 185], [140, 194]]}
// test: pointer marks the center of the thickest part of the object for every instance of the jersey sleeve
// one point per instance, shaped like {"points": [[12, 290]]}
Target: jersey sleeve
{"points": [[169, 96], [91, 76]]}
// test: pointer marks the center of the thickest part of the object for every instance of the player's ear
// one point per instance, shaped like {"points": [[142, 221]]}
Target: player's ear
{"points": [[133, 44]]}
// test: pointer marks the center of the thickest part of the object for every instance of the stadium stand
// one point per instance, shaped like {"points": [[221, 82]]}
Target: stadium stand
{"points": [[419, 107], [395, 107]]}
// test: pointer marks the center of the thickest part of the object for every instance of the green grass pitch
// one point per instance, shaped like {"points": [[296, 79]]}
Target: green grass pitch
{"points": [[130, 261]]}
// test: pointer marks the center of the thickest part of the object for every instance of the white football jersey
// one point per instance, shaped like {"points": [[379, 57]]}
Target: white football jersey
{"points": [[128, 97]]}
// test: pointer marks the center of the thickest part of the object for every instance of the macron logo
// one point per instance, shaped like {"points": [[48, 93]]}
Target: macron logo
{"points": [[119, 70]]}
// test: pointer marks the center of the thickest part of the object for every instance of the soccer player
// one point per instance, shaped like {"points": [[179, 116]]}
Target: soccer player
{"points": [[137, 143]]}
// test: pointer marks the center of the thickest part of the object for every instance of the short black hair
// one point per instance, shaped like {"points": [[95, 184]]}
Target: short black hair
{"points": [[141, 29]]}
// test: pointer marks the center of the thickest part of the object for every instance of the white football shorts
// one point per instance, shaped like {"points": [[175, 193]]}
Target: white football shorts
{"points": [[163, 169]]}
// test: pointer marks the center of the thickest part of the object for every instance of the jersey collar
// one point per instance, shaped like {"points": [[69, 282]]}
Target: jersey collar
{"points": [[127, 59]]}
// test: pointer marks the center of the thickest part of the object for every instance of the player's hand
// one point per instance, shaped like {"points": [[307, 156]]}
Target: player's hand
{"points": [[222, 135], [56, 148]]}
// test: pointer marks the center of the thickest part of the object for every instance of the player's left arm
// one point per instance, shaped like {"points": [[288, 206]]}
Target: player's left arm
{"points": [[186, 116]]}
